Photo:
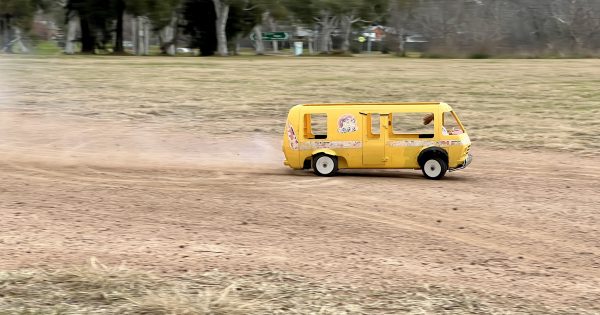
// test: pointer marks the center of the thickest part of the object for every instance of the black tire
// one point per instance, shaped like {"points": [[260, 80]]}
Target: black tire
{"points": [[324, 164], [434, 167]]}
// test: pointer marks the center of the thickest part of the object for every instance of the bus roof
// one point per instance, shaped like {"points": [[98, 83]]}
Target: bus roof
{"points": [[374, 104]]}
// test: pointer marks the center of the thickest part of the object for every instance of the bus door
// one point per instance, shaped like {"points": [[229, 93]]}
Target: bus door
{"points": [[374, 138]]}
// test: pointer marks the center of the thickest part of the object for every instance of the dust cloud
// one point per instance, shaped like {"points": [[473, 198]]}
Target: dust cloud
{"points": [[43, 131], [57, 139]]}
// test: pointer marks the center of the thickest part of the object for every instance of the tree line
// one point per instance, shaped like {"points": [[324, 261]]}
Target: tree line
{"points": [[448, 27]]}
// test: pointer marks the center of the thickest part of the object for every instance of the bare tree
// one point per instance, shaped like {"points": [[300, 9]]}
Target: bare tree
{"points": [[399, 12], [441, 21], [327, 22], [484, 31], [577, 21]]}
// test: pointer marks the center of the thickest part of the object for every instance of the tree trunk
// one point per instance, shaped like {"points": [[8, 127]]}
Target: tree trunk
{"points": [[168, 37], [347, 27], [71, 33], [328, 24], [260, 44], [311, 42], [2, 34], [273, 28], [135, 29], [167, 43], [175, 26], [19, 42], [400, 50], [325, 38], [146, 51], [7, 35], [141, 35], [88, 40], [235, 46], [119, 31], [222, 11]]}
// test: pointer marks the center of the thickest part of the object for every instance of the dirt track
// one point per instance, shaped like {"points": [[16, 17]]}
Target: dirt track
{"points": [[517, 224]]}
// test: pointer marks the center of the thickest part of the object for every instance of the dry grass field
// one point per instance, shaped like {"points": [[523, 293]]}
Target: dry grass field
{"points": [[549, 104], [168, 170]]}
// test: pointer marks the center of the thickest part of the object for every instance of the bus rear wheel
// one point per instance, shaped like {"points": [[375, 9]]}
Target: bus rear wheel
{"points": [[324, 165]]}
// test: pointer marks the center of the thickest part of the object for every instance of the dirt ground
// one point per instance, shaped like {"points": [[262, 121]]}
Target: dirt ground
{"points": [[518, 223], [514, 223]]}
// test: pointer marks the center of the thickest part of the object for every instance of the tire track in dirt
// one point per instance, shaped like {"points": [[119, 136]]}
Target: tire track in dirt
{"points": [[517, 233], [417, 212], [99, 178], [538, 261], [196, 176], [538, 241]]}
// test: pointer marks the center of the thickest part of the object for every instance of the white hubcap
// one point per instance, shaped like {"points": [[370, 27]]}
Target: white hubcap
{"points": [[324, 165], [432, 168]]}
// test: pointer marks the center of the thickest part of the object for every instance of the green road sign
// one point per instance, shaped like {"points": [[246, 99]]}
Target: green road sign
{"points": [[272, 36]]}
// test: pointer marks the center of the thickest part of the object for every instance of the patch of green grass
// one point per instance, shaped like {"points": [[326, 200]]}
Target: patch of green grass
{"points": [[480, 56], [47, 48]]}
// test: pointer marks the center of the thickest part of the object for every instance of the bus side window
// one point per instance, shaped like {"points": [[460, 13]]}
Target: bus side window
{"points": [[412, 125], [315, 126], [374, 124]]}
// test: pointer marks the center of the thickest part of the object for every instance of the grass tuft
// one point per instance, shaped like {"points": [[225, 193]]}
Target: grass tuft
{"points": [[99, 289]]}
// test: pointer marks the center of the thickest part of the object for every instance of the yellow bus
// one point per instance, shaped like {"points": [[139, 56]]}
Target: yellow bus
{"points": [[329, 137]]}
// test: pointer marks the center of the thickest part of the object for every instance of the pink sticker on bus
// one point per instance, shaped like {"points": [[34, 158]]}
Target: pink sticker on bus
{"points": [[347, 123]]}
